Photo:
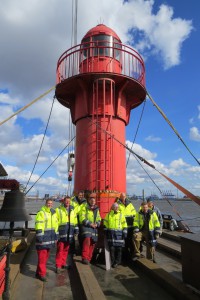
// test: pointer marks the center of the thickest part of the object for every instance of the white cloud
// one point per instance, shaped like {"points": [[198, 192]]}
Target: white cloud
{"points": [[195, 134], [169, 35], [9, 131], [152, 138], [6, 99], [140, 175], [59, 121], [49, 184], [161, 34], [34, 34], [195, 169], [138, 149], [178, 163]]}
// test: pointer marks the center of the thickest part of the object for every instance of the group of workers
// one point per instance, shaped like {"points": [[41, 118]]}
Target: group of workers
{"points": [[123, 227]]}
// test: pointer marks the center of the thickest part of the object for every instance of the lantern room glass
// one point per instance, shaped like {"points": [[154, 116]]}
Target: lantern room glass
{"points": [[101, 45]]}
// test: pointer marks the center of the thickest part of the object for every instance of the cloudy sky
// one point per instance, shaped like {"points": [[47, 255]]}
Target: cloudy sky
{"points": [[35, 33]]}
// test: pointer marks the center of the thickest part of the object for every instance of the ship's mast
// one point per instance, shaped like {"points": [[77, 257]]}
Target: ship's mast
{"points": [[74, 22]]}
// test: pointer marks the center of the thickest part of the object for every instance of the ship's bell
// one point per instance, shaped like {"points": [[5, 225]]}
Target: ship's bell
{"points": [[13, 208]]}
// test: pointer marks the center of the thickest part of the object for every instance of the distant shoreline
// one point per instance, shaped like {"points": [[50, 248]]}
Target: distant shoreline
{"points": [[159, 199]]}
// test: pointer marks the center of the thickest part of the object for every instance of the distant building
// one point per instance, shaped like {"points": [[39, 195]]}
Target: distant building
{"points": [[168, 195]]}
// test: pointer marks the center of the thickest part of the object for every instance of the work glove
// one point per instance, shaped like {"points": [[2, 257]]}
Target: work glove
{"points": [[157, 236], [135, 235]]}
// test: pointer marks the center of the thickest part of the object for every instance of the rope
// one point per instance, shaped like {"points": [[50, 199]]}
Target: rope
{"points": [[173, 128], [148, 174], [136, 132], [152, 166], [26, 106], [50, 165], [182, 189], [41, 144], [173, 208]]}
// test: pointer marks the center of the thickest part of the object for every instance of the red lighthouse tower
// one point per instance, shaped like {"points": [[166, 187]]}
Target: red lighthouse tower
{"points": [[100, 81]]}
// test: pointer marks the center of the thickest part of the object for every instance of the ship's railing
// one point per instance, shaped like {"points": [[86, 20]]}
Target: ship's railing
{"points": [[94, 57]]}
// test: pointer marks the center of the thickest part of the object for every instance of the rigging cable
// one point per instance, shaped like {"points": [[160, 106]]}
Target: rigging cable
{"points": [[178, 186], [136, 132], [193, 197], [26, 106], [50, 165], [74, 41], [41, 144], [72, 129], [170, 124]]}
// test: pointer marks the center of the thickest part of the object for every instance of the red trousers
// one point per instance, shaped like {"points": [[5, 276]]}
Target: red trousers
{"points": [[88, 248], [43, 256], [62, 254]]}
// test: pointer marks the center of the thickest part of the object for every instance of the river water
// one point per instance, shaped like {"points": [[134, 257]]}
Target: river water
{"points": [[188, 211]]}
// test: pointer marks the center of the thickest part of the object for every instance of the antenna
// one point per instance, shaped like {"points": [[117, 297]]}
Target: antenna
{"points": [[101, 21]]}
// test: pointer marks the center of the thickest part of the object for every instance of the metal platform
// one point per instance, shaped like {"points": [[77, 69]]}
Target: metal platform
{"points": [[142, 280]]}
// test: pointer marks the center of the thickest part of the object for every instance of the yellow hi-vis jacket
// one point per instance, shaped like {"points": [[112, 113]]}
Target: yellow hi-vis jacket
{"points": [[153, 223], [115, 227], [67, 223], [87, 217], [128, 210], [46, 227], [78, 205]]}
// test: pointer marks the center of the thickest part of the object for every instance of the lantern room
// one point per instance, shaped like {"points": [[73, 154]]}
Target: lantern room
{"points": [[101, 50]]}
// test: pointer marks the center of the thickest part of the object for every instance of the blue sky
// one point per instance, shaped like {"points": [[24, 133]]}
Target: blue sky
{"points": [[166, 33]]}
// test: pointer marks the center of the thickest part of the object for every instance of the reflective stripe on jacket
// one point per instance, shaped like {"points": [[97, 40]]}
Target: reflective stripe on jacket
{"points": [[87, 217], [153, 223], [46, 227], [128, 210], [115, 227], [67, 223]]}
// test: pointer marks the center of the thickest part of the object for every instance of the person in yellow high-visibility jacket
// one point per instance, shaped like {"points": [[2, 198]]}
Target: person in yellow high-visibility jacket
{"points": [[78, 202], [90, 221], [128, 209], [115, 227], [68, 227], [46, 227], [146, 227]]}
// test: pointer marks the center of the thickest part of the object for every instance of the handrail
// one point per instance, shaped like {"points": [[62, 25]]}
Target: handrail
{"points": [[92, 57]]}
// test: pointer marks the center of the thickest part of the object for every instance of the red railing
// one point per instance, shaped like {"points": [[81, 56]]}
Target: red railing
{"points": [[2, 273], [99, 58]]}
